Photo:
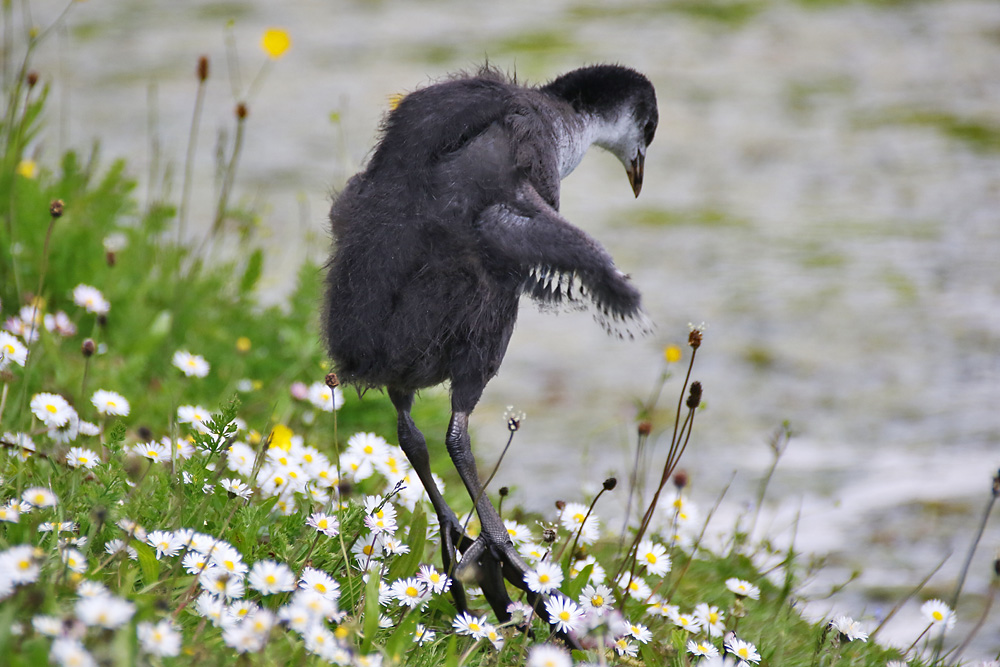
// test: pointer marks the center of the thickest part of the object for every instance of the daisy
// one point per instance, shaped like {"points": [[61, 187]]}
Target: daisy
{"points": [[545, 578], [688, 622], [39, 496], [23, 447], [467, 624], [410, 592], [325, 398], [494, 636], [50, 626], [517, 532], [597, 600], [743, 589], [849, 628], [938, 613], [548, 655], [241, 458], [711, 619], [166, 543], [107, 611], [12, 350], [423, 635], [225, 556], [154, 451], [211, 607], [57, 526], [654, 557], [194, 415], [60, 323], [367, 549], [91, 299], [324, 523], [623, 646], [634, 586], [702, 648], [110, 403], [194, 562], [574, 518], [79, 457], [192, 365], [597, 573], [19, 565], [161, 639], [745, 651], [368, 446], [237, 487], [320, 582], [51, 409], [381, 516], [313, 604], [565, 614], [218, 581], [115, 546], [637, 631], [270, 577], [434, 580], [66, 651], [10, 513], [68, 432]]}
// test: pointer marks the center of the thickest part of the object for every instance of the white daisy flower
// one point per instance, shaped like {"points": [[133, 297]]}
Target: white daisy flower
{"points": [[325, 398], [565, 614], [849, 628], [434, 580], [938, 613], [161, 638], [518, 532], [324, 523], [110, 403], [12, 350], [220, 582], [39, 496], [241, 458], [743, 589], [711, 619], [597, 600], [653, 557], [154, 451], [80, 457], [423, 635], [467, 624], [237, 487], [270, 577], [548, 655], [225, 556], [51, 409], [106, 611], [19, 565], [545, 578], [194, 415], [192, 365], [409, 592], [67, 651], [745, 651], [634, 586], [367, 446], [90, 299], [702, 649], [574, 518], [74, 560], [166, 542], [10, 513], [320, 582]]}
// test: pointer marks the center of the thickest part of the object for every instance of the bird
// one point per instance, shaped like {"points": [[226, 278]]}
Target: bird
{"points": [[454, 217]]}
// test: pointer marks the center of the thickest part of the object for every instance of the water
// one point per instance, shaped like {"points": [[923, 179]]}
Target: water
{"points": [[802, 198]]}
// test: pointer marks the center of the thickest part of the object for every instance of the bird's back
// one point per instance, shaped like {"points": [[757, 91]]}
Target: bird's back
{"points": [[409, 280]]}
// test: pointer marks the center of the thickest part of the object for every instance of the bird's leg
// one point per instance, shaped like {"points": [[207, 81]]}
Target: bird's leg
{"points": [[412, 442], [492, 557]]}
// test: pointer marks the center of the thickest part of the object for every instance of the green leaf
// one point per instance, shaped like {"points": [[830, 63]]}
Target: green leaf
{"points": [[402, 638], [147, 562], [252, 273], [407, 565], [572, 590], [370, 623]]}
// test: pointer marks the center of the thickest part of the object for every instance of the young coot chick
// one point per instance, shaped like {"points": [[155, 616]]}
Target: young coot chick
{"points": [[454, 217]]}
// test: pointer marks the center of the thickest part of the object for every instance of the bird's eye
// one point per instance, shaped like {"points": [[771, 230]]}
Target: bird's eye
{"points": [[649, 131]]}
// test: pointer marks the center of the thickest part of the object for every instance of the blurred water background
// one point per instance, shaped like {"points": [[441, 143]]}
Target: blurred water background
{"points": [[823, 192]]}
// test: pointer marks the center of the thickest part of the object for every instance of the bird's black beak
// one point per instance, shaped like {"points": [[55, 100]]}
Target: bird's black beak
{"points": [[634, 172]]}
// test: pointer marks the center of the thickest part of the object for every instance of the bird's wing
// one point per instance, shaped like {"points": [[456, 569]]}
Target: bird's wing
{"points": [[561, 262]]}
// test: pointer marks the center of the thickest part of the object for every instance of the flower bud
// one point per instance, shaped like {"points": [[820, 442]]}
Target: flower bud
{"points": [[331, 380], [560, 505], [680, 479], [241, 110], [610, 483], [645, 427], [694, 339], [694, 397], [504, 491], [31, 79], [89, 347], [202, 68], [110, 258], [56, 208]]}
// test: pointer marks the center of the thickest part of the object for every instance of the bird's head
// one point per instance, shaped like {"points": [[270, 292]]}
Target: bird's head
{"points": [[618, 106]]}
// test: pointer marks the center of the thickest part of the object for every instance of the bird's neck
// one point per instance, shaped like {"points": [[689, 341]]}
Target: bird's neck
{"points": [[575, 134]]}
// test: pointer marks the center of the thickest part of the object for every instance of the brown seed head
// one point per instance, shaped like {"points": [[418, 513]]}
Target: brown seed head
{"points": [[560, 505], [110, 257], [331, 380], [145, 433], [694, 397], [610, 483], [694, 339], [241, 110], [89, 347], [645, 427], [504, 491], [102, 320], [56, 208], [681, 479], [31, 79], [549, 535], [202, 68]]}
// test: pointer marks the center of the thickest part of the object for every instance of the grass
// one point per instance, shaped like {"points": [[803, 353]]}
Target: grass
{"points": [[153, 513]]}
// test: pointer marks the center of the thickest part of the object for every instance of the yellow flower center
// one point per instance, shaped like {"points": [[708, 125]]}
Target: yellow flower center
{"points": [[368, 549], [938, 616], [474, 626], [24, 564], [8, 348], [412, 592], [578, 517], [51, 408], [320, 588], [651, 558], [543, 578], [597, 600], [270, 579], [322, 523], [564, 615]]}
